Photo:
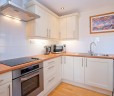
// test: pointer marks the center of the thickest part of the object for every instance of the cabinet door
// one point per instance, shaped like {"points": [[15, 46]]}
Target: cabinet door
{"points": [[99, 73], [6, 89], [63, 28], [38, 27], [58, 69], [68, 68], [72, 28], [53, 30], [79, 69]]}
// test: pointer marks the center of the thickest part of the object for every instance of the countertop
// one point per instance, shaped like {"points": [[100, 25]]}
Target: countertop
{"points": [[4, 68]]}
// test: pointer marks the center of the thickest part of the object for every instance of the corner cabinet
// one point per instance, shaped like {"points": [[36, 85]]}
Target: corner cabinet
{"points": [[6, 84], [69, 27], [47, 26]]}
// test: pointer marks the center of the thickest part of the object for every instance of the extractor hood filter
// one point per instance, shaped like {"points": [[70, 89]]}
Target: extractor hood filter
{"points": [[12, 10]]}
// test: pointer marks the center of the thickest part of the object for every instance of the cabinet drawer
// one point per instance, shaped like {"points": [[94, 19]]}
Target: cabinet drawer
{"points": [[49, 63], [50, 82], [50, 70], [6, 77]]}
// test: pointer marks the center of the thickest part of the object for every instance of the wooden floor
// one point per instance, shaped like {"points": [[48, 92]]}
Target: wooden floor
{"points": [[69, 90]]}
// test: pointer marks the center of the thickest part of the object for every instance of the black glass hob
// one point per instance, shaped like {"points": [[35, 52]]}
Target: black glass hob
{"points": [[18, 61]]}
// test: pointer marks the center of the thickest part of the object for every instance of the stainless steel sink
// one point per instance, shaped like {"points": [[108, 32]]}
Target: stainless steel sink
{"points": [[95, 54]]}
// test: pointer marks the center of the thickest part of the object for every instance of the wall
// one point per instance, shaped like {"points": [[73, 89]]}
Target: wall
{"points": [[14, 42], [106, 40]]}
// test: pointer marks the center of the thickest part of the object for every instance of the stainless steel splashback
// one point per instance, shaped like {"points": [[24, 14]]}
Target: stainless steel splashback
{"points": [[12, 10]]}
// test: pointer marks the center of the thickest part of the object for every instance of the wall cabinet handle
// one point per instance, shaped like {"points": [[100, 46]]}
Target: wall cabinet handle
{"points": [[47, 32]]}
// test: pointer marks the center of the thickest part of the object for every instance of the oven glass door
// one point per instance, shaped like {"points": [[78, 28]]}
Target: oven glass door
{"points": [[29, 83]]}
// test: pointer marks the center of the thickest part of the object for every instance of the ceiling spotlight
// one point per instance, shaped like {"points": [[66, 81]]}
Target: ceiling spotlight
{"points": [[62, 8]]}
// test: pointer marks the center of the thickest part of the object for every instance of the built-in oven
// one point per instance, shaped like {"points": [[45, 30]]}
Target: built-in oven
{"points": [[28, 81]]}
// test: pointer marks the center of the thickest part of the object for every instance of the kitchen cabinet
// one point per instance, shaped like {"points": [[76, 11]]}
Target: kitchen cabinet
{"points": [[72, 27], [39, 27], [6, 89], [79, 69], [52, 74], [69, 27], [67, 68], [63, 28], [53, 27], [44, 27], [6, 84], [94, 72], [99, 73]]}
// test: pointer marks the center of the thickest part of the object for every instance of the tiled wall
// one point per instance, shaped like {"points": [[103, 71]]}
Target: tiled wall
{"points": [[14, 42]]}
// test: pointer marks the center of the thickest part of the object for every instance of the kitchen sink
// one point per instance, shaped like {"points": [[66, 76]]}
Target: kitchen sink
{"points": [[96, 54]]}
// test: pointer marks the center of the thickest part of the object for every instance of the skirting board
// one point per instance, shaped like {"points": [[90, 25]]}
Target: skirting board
{"points": [[89, 87]]}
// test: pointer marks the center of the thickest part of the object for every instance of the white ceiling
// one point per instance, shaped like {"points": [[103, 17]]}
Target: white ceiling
{"points": [[75, 5]]}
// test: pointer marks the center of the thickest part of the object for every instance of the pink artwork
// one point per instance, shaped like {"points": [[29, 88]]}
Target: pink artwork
{"points": [[102, 23]]}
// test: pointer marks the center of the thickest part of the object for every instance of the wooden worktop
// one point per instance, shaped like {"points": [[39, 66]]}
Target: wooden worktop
{"points": [[4, 68]]}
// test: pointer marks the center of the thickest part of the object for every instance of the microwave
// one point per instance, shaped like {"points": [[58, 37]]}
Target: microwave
{"points": [[58, 48]]}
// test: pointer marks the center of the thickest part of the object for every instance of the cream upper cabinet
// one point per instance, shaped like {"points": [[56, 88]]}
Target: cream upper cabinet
{"points": [[63, 25], [69, 27], [38, 27], [53, 30], [99, 73], [44, 27], [72, 27], [79, 69]]}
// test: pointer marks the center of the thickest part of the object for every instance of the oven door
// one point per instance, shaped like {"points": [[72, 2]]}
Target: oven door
{"points": [[32, 83]]}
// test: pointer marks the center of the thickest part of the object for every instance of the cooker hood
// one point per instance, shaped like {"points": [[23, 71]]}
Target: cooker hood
{"points": [[12, 10]]}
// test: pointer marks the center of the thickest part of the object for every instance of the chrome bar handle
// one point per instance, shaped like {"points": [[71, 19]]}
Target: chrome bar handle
{"points": [[9, 90]]}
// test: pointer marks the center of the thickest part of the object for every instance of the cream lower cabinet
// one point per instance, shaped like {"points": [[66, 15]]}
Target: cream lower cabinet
{"points": [[6, 89], [52, 74], [79, 69], [6, 84], [67, 68], [94, 72], [99, 73]]}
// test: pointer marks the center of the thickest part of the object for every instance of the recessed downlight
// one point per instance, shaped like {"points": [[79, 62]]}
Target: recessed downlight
{"points": [[62, 8]]}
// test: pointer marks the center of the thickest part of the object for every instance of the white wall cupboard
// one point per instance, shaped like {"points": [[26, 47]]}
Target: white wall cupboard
{"points": [[6, 84], [69, 27], [44, 27]]}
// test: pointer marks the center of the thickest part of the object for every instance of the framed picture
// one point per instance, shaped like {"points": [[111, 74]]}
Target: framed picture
{"points": [[102, 23]]}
